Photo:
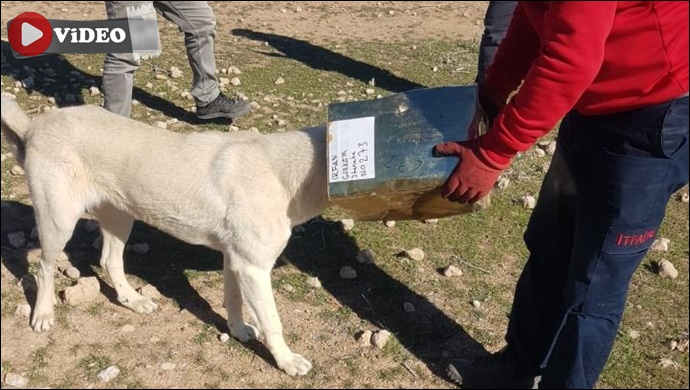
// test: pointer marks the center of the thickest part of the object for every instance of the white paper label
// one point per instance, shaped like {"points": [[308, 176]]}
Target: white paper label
{"points": [[351, 150]]}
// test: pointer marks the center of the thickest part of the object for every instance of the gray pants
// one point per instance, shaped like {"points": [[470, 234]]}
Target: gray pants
{"points": [[197, 21], [496, 22]]}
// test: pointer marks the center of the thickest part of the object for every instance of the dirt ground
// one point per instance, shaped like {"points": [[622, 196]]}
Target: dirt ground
{"points": [[178, 347]]}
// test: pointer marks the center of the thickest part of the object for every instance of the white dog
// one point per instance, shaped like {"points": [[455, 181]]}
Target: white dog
{"points": [[239, 193]]}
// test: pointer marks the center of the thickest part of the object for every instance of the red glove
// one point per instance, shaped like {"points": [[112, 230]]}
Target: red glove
{"points": [[473, 177]]}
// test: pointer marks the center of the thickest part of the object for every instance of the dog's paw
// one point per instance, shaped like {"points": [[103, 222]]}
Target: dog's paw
{"points": [[140, 304], [244, 332], [42, 322], [297, 365]]}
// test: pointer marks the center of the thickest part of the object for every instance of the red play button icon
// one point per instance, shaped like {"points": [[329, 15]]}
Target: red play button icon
{"points": [[30, 34]]}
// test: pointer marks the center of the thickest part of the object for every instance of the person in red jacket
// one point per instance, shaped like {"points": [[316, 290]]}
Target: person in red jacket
{"points": [[616, 73]]}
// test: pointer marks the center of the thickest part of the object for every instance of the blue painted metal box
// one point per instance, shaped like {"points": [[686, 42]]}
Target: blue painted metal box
{"points": [[379, 153]]}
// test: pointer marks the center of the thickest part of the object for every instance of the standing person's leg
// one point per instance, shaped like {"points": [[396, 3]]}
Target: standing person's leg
{"points": [[496, 21], [119, 68], [538, 304], [629, 166], [197, 20]]}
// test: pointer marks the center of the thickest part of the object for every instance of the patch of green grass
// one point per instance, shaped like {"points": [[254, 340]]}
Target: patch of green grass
{"points": [[205, 334], [95, 309], [92, 364]]}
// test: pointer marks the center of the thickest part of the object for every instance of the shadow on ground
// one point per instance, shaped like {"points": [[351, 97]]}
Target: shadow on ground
{"points": [[319, 58]]}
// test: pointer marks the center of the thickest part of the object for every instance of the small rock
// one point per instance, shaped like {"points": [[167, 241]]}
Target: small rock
{"points": [[233, 128], [186, 95], [502, 183], [161, 77], [389, 224], [634, 334], [224, 81], [280, 81], [150, 292], [435, 69], [109, 374], [175, 72], [476, 304], [15, 380], [51, 100], [28, 82], [415, 254], [313, 282], [380, 338], [224, 337], [23, 310], [668, 363], [141, 248], [673, 344], [288, 288], [168, 366], [17, 84], [432, 221], [234, 70], [17, 239], [528, 202], [127, 328], [235, 81], [171, 121], [391, 12], [348, 224], [365, 256], [661, 245], [370, 91], [348, 272], [135, 102], [551, 148], [72, 273], [255, 105], [684, 197], [667, 269], [149, 85], [224, 71], [364, 339], [409, 307], [451, 271], [539, 152], [160, 125], [94, 91], [86, 290], [17, 170]]}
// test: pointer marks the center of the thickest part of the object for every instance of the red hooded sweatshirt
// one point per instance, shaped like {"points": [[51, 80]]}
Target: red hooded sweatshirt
{"points": [[594, 57]]}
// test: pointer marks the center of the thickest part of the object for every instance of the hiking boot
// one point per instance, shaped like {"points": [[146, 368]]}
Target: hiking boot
{"points": [[223, 107], [496, 371]]}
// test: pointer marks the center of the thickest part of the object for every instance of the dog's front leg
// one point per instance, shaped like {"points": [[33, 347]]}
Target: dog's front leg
{"points": [[232, 298], [255, 283]]}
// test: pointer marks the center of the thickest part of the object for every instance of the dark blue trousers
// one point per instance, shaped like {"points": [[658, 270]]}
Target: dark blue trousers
{"points": [[599, 210]]}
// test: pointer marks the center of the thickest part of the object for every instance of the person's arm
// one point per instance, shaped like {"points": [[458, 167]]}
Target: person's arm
{"points": [[570, 58]]}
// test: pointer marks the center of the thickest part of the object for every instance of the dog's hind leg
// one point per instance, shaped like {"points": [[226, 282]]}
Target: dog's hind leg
{"points": [[232, 298], [116, 226], [55, 221]]}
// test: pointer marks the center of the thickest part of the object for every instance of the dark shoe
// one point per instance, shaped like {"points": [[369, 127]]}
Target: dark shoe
{"points": [[492, 372], [223, 107]]}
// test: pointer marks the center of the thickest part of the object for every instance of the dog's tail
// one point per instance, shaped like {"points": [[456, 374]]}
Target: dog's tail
{"points": [[15, 125]]}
